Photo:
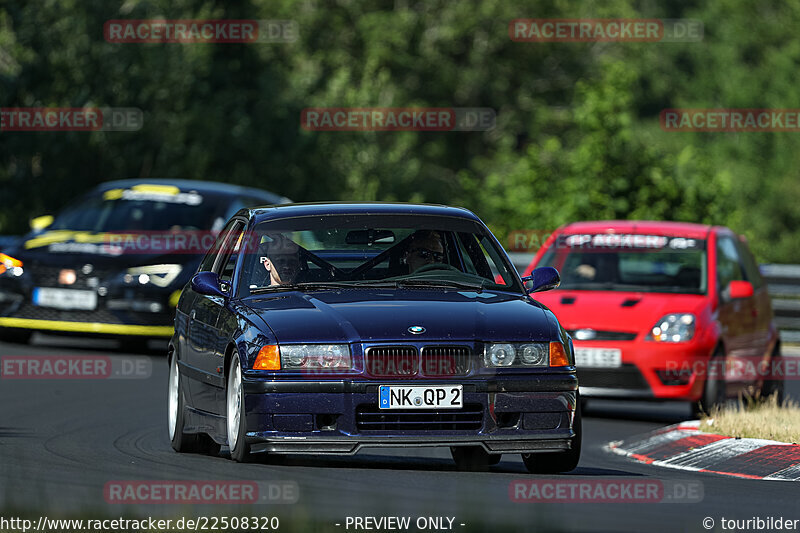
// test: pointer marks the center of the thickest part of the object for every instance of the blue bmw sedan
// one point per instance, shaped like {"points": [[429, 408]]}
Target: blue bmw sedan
{"points": [[328, 328]]}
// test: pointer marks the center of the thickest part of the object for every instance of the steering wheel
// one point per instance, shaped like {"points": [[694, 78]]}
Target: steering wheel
{"points": [[435, 266]]}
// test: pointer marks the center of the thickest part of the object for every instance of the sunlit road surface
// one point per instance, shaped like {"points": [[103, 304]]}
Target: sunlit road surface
{"points": [[61, 441]]}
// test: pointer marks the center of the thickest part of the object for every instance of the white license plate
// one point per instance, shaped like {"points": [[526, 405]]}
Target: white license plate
{"points": [[598, 357], [417, 397], [64, 298]]}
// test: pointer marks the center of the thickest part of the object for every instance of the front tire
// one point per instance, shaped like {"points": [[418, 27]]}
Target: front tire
{"points": [[558, 462], [234, 410], [775, 385], [473, 458], [714, 390]]}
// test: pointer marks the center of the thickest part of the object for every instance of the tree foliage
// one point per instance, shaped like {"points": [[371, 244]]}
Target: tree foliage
{"points": [[577, 133]]}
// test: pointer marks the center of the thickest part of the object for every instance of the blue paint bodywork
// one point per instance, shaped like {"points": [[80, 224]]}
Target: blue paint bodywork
{"points": [[512, 409]]}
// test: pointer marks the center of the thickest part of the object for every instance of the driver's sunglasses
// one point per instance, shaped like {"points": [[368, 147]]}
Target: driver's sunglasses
{"points": [[426, 254]]}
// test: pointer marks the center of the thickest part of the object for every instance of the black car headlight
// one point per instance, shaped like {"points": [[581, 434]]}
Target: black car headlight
{"points": [[158, 275], [10, 266]]}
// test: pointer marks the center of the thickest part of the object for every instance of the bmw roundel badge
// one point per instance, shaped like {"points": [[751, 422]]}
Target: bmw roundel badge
{"points": [[416, 330]]}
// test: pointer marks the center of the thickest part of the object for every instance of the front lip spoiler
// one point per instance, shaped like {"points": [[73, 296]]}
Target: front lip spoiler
{"points": [[86, 327], [351, 446]]}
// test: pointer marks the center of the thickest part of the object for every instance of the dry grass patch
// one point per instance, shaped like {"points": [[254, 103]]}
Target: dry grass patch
{"points": [[756, 420]]}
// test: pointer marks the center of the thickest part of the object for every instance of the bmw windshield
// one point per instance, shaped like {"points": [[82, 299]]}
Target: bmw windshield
{"points": [[375, 250]]}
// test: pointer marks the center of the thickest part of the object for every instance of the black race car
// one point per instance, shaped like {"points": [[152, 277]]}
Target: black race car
{"points": [[114, 262]]}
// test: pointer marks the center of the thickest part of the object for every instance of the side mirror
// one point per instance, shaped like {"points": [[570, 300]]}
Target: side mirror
{"points": [[208, 283], [740, 289], [42, 222], [543, 279]]}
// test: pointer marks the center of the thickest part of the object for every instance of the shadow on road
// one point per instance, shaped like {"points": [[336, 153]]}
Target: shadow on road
{"points": [[663, 413]]}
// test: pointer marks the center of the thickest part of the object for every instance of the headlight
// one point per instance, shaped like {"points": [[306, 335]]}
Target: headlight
{"points": [[534, 354], [327, 356], [158, 275], [11, 265], [499, 355], [517, 354], [676, 327]]}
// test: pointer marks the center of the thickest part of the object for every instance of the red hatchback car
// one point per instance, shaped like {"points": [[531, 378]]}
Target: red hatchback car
{"points": [[663, 310]]}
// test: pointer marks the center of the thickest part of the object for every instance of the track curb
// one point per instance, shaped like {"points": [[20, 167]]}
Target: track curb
{"points": [[683, 446]]}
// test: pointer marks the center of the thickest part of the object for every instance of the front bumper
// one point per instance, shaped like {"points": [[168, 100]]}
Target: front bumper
{"points": [[644, 372], [525, 415], [118, 312]]}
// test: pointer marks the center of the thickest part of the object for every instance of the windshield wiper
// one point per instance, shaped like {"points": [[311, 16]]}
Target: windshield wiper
{"points": [[446, 283], [303, 286]]}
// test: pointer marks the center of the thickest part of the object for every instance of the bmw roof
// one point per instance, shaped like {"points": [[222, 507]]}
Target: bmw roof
{"points": [[347, 208]]}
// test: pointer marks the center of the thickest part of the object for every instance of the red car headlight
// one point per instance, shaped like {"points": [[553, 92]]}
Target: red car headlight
{"points": [[675, 327]]}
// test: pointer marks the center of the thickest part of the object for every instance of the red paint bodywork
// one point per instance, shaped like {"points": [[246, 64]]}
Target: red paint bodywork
{"points": [[742, 327]]}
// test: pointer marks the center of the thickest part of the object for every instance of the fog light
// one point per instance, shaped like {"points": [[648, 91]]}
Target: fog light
{"points": [[675, 377]]}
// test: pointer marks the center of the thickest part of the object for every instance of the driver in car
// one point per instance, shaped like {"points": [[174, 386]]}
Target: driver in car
{"points": [[281, 261], [423, 247]]}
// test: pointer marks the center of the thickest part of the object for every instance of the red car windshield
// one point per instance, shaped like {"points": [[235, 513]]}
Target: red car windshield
{"points": [[642, 263]]}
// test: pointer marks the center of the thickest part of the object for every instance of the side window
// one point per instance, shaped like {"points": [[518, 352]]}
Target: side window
{"points": [[226, 263], [209, 259], [728, 263], [480, 258], [751, 271]]}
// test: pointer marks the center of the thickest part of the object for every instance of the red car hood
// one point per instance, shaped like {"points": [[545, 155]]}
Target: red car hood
{"points": [[633, 312]]}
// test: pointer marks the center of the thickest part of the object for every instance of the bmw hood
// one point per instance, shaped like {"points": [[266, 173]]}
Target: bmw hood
{"points": [[366, 315]]}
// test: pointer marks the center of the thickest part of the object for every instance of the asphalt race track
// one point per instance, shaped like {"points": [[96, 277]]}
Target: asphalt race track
{"points": [[61, 441]]}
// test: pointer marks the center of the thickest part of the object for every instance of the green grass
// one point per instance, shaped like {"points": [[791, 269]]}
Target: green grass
{"points": [[755, 419]]}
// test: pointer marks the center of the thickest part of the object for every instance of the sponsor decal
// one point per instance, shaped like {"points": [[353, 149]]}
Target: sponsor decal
{"points": [[616, 241]]}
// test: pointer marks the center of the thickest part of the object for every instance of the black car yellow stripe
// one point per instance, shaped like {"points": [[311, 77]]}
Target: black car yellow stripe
{"points": [[86, 327]]}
